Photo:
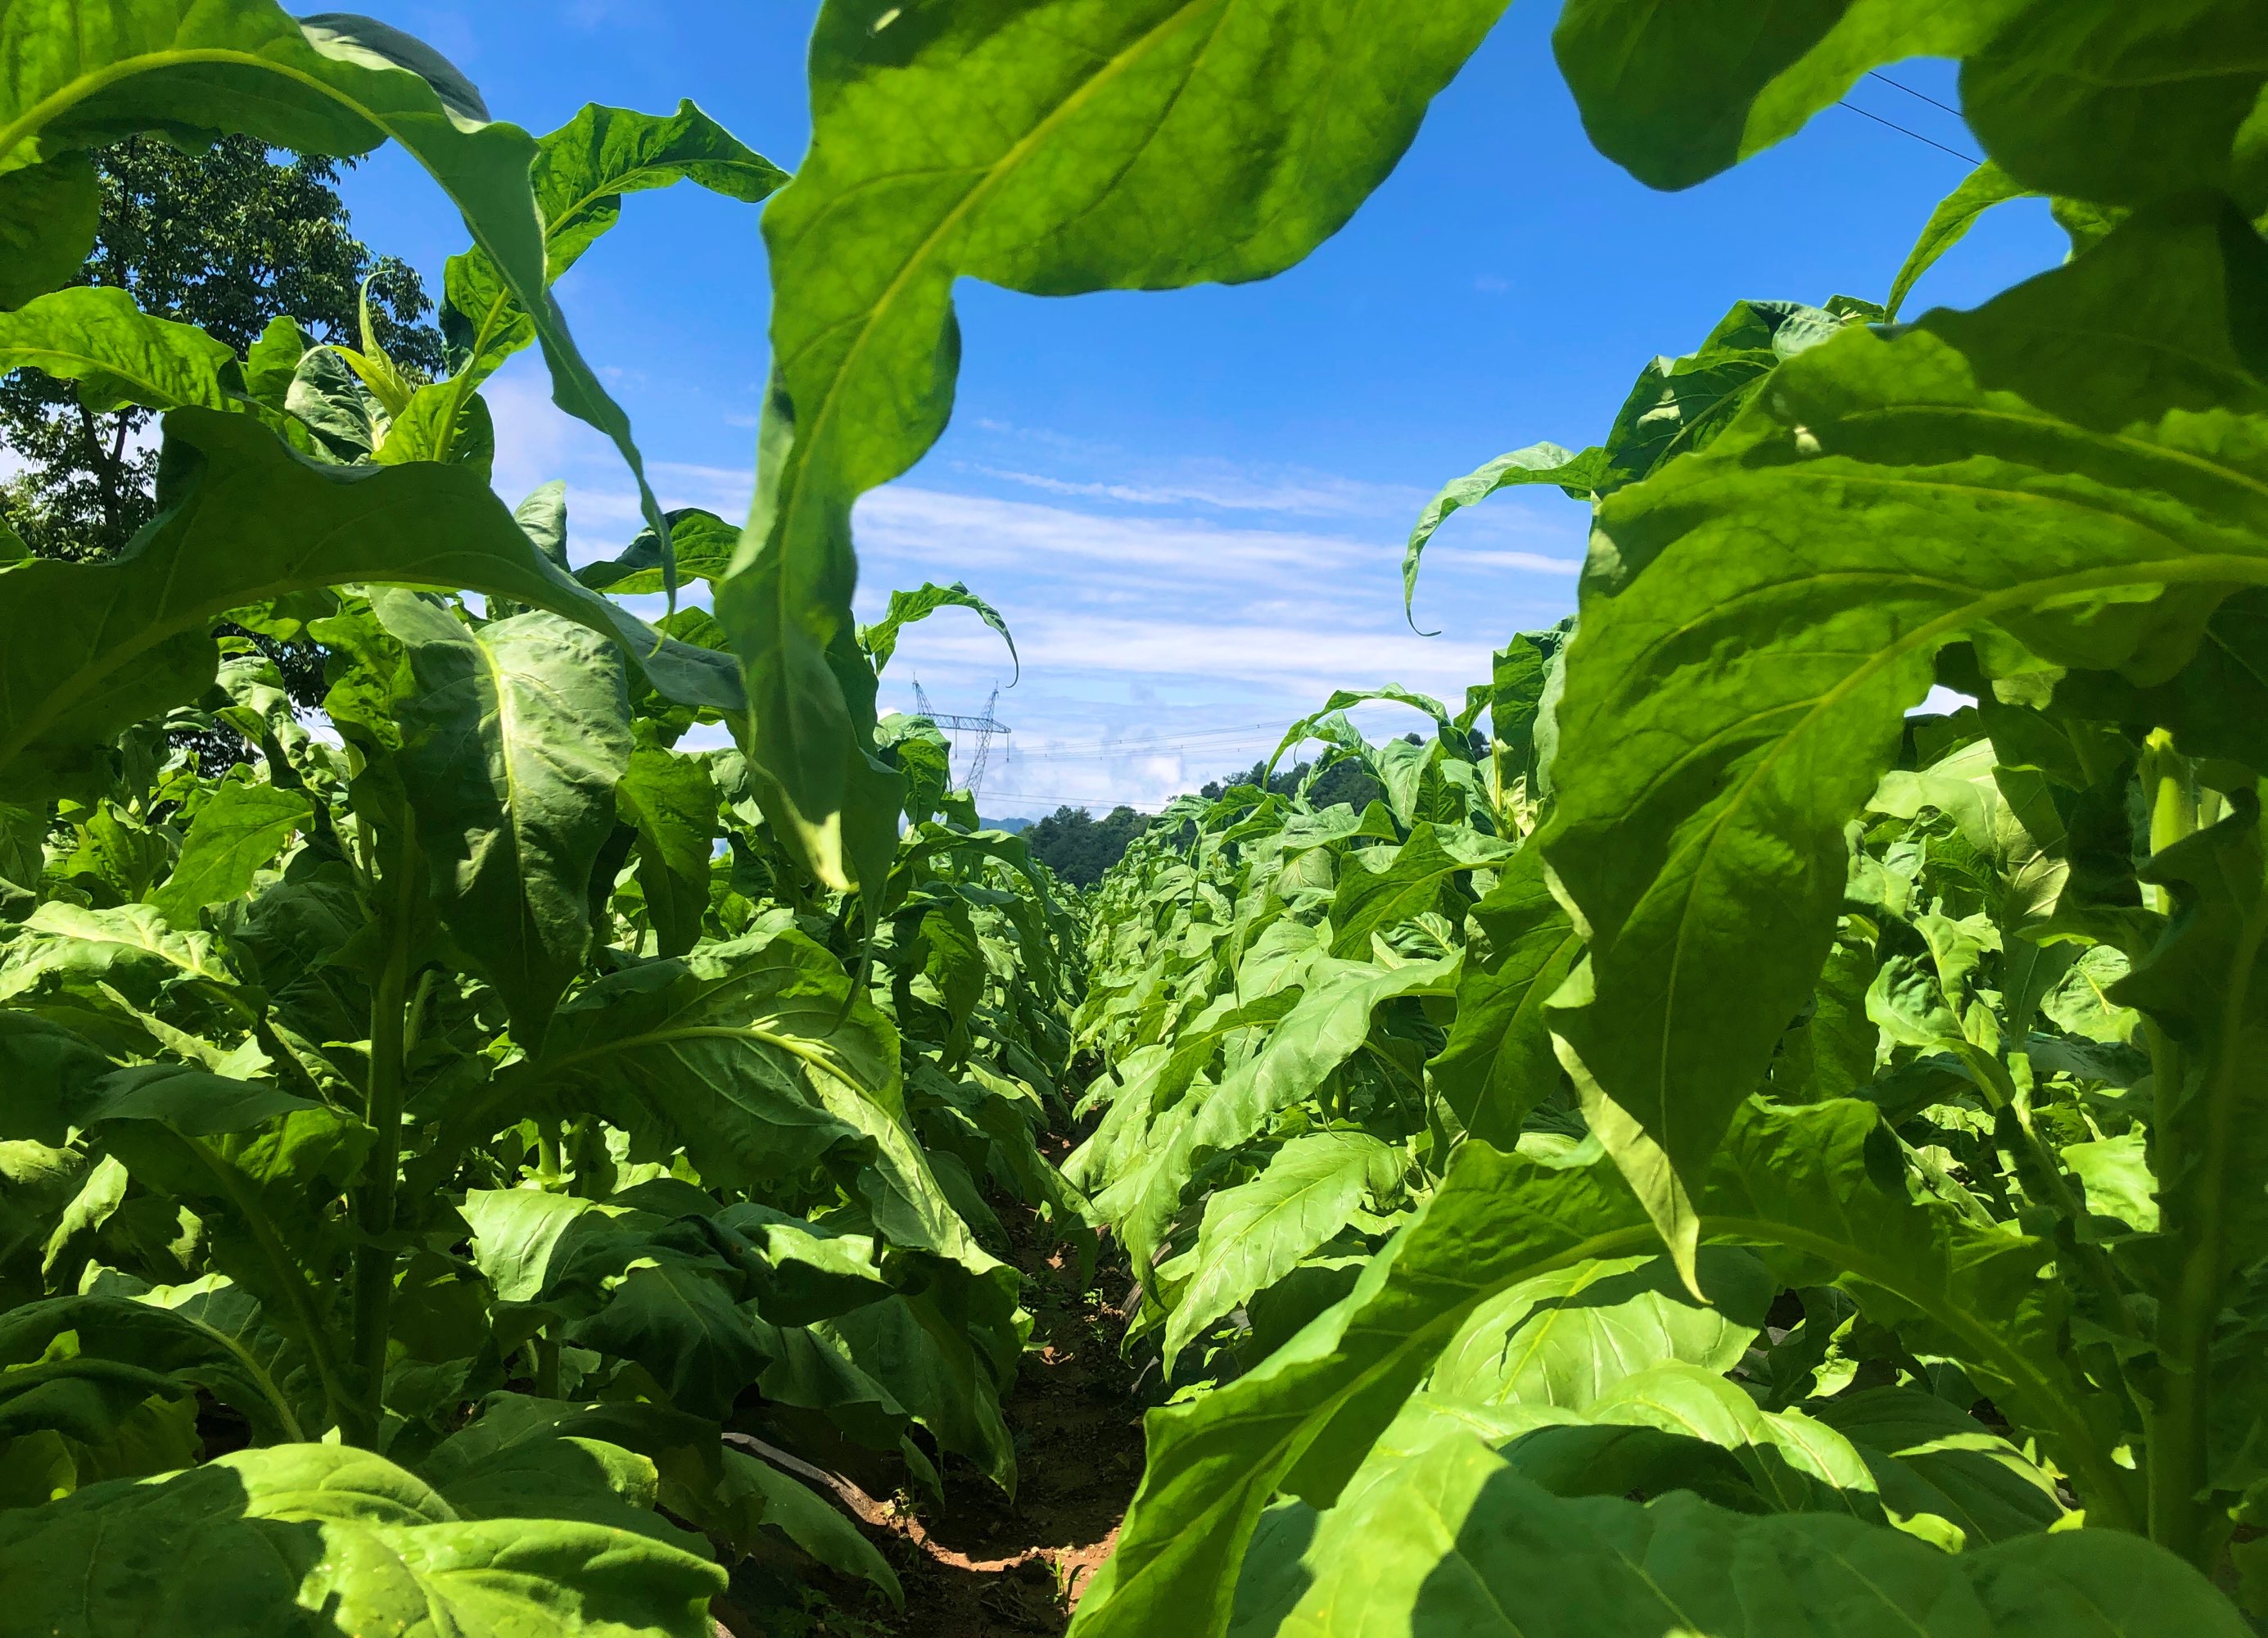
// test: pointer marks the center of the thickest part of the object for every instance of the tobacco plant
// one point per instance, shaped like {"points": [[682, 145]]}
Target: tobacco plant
{"points": [[1864, 1088], [1721, 1150], [456, 1142]]}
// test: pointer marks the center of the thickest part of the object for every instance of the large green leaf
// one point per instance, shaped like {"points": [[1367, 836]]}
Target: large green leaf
{"points": [[236, 834], [63, 948], [51, 1076], [48, 217], [1382, 887], [746, 1053], [1254, 1234], [264, 1184], [514, 736], [83, 72], [1052, 148], [2071, 470], [1677, 405], [1497, 1065], [702, 542], [1578, 474], [313, 1539], [798, 1513], [1568, 1338], [175, 1340], [1458, 1543], [1930, 1456], [118, 354], [1799, 1184], [580, 174], [1677, 93], [686, 1330], [1677, 1427], [1983, 187], [671, 801], [881, 639], [924, 1357], [87, 649], [2120, 104]]}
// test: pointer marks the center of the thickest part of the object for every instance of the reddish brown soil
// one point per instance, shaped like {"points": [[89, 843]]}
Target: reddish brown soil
{"points": [[982, 1566]]}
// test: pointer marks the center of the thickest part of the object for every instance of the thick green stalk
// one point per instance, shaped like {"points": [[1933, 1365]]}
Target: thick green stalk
{"points": [[2179, 1425], [390, 1026]]}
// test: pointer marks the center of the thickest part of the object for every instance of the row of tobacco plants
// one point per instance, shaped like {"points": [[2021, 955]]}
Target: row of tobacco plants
{"points": [[1725, 1145], [458, 1171], [1715, 1153]]}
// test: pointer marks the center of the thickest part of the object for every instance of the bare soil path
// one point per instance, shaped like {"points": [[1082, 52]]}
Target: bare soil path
{"points": [[978, 1564]]}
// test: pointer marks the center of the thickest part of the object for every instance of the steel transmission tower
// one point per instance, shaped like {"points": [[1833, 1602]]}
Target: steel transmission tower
{"points": [[985, 728]]}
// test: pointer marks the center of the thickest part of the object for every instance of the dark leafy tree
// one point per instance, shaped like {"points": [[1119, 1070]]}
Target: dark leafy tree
{"points": [[1348, 782], [1078, 847], [227, 239]]}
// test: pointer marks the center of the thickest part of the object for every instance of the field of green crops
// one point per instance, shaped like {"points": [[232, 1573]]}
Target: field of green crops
{"points": [[1761, 1129]]}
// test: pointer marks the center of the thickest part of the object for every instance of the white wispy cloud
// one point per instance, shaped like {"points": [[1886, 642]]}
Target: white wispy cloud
{"points": [[1215, 484], [1170, 621]]}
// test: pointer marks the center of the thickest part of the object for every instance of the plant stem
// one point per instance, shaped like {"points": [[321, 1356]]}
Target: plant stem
{"points": [[2177, 1429], [390, 1026]]}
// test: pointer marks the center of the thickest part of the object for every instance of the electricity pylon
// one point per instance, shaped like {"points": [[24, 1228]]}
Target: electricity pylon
{"points": [[985, 728]]}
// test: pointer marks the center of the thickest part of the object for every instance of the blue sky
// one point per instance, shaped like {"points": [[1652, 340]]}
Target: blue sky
{"points": [[1190, 506]]}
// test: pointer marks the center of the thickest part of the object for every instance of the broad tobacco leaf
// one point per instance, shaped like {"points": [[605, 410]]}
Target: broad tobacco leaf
{"points": [[118, 1345], [671, 801], [514, 737], [49, 214], [1498, 1063], [1677, 405], [881, 639], [1983, 187], [118, 354], [262, 1169], [1457, 1542], [85, 72], [580, 174], [51, 1076], [1050, 148], [1255, 1233], [789, 1506], [1663, 1428], [1930, 1456], [1566, 1339], [2121, 105], [749, 1054], [237, 832], [1799, 1184], [1675, 94], [308, 1538], [88, 649], [1380, 888], [702, 542], [2070, 473], [2094, 99]]}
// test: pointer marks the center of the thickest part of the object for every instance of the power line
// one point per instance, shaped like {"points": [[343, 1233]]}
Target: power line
{"points": [[1965, 159], [1146, 805], [1911, 92], [1221, 749], [1168, 737]]}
